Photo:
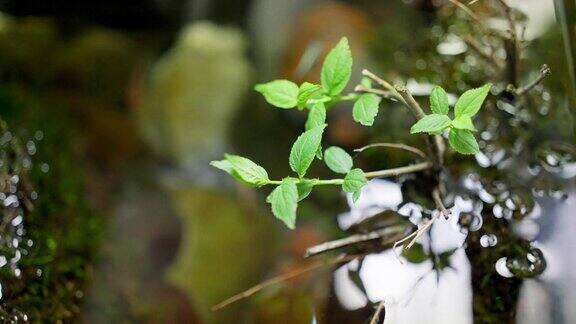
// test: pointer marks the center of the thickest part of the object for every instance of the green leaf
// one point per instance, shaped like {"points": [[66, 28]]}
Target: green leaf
{"points": [[431, 124], [337, 68], [279, 93], [366, 82], [470, 101], [247, 170], [463, 122], [226, 166], [307, 91], [439, 101], [353, 183], [304, 188], [284, 201], [366, 108], [415, 254], [338, 160], [304, 149], [463, 141], [316, 116]]}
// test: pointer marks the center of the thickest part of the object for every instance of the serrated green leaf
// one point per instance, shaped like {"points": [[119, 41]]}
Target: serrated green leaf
{"points": [[439, 101], [337, 68], [307, 91], [338, 160], [227, 167], [247, 170], [470, 101], [279, 93], [223, 165], [365, 109], [284, 202], [304, 149], [353, 183], [463, 141], [433, 123], [316, 116], [463, 122], [304, 188]]}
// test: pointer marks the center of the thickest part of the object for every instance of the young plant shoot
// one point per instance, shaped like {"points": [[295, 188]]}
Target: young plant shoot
{"points": [[316, 99]]}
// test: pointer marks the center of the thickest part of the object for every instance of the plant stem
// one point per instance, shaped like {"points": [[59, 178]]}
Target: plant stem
{"points": [[489, 57], [379, 310], [384, 84], [381, 93], [435, 143], [283, 277], [388, 235], [410, 102], [396, 146], [544, 72], [373, 174], [398, 171], [348, 97]]}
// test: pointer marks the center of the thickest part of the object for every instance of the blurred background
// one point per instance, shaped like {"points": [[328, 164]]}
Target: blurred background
{"points": [[110, 112]]}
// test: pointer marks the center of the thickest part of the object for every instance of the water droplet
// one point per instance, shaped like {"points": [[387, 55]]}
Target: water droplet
{"points": [[39, 135], [31, 147], [44, 167], [488, 240], [502, 268], [17, 220]]}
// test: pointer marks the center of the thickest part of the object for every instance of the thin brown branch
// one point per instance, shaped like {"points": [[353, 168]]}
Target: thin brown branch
{"points": [[398, 171], [467, 10], [381, 93], [401, 93], [480, 22], [380, 310], [396, 146], [384, 84], [435, 143], [411, 103], [281, 278], [439, 204], [389, 235], [544, 72], [422, 230], [489, 57]]}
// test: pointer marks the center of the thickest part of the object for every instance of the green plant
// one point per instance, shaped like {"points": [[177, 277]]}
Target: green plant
{"points": [[318, 99]]}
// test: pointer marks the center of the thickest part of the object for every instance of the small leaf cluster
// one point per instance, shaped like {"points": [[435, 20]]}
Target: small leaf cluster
{"points": [[291, 190], [316, 99], [334, 77], [461, 128]]}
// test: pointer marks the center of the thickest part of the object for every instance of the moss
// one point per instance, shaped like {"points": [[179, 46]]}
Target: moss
{"points": [[60, 232]]}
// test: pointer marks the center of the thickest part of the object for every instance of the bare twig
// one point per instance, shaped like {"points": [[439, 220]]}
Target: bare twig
{"points": [[480, 22], [379, 310], [422, 230], [417, 234], [283, 277], [411, 103], [381, 93], [512, 45], [467, 11], [396, 146], [440, 204], [489, 57], [544, 72], [389, 235], [384, 84], [398, 171], [435, 143]]}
